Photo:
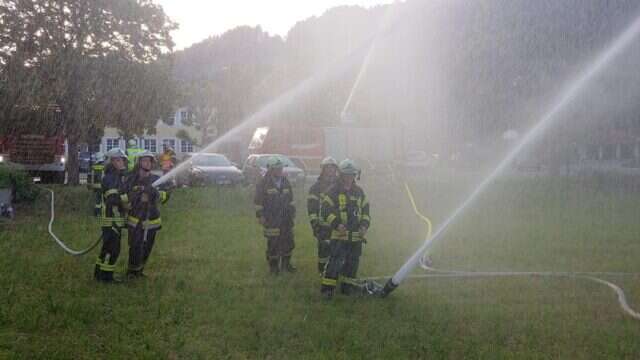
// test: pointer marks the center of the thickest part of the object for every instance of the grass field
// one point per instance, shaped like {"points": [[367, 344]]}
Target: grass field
{"points": [[208, 294]]}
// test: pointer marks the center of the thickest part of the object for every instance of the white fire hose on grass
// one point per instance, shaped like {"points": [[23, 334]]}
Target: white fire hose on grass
{"points": [[425, 263], [64, 247]]}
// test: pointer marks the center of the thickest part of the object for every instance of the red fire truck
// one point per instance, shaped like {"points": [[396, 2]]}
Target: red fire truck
{"points": [[310, 145], [41, 153]]}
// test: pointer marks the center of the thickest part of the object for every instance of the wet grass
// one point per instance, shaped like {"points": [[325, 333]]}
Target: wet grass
{"points": [[208, 294]]}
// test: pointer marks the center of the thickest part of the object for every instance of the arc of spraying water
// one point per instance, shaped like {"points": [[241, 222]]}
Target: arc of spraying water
{"points": [[389, 24], [572, 91]]}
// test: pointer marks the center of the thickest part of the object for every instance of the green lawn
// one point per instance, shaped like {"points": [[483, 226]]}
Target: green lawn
{"points": [[208, 294]]}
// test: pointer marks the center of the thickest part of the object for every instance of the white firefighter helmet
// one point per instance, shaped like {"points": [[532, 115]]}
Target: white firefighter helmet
{"points": [[145, 154], [112, 154], [348, 167], [328, 161]]}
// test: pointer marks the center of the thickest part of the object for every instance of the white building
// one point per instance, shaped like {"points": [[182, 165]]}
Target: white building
{"points": [[164, 135]]}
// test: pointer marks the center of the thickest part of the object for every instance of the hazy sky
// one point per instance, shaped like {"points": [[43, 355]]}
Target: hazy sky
{"points": [[200, 19]]}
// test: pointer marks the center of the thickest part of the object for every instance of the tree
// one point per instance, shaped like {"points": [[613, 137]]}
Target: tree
{"points": [[132, 97], [57, 51], [218, 77], [200, 97]]}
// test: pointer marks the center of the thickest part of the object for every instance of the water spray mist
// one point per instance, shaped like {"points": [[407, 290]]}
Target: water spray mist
{"points": [[573, 89]]}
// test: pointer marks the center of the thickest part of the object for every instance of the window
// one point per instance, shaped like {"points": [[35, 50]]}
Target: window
{"points": [[112, 143], [184, 116], [150, 145], [170, 118], [170, 143], [186, 146]]}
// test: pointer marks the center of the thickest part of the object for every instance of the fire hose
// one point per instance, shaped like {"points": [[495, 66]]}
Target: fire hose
{"points": [[425, 263], [60, 243]]}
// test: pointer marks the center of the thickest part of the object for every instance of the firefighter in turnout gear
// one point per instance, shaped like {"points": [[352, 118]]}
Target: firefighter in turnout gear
{"points": [[346, 209], [95, 182], [168, 159], [113, 213], [275, 211], [144, 214], [321, 230]]}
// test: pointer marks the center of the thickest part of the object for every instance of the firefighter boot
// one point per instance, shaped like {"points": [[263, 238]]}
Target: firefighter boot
{"points": [[346, 289], [103, 276], [274, 266], [135, 274], [326, 292], [97, 273], [107, 276], [286, 265]]}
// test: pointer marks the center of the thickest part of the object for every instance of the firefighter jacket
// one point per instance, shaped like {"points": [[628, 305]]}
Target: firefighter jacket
{"points": [[314, 201], [347, 207], [114, 202], [275, 203], [144, 201]]}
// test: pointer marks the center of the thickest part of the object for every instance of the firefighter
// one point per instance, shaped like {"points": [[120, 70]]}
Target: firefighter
{"points": [[95, 182], [345, 209], [113, 212], [167, 159], [321, 231], [275, 211], [133, 151], [144, 214]]}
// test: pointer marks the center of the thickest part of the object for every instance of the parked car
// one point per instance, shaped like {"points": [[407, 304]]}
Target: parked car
{"points": [[210, 169], [256, 166]]}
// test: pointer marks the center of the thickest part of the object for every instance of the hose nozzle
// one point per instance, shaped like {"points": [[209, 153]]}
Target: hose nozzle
{"points": [[388, 288]]}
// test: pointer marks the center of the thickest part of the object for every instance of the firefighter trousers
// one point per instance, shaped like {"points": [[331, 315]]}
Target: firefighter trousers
{"points": [[342, 266], [139, 248], [108, 257], [324, 252], [97, 207], [280, 245]]}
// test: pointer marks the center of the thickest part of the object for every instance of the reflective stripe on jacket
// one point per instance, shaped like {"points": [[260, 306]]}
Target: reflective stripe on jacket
{"points": [[346, 207]]}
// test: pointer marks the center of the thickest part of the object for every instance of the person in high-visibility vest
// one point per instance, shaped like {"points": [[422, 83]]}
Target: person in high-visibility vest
{"points": [[346, 209], [143, 219], [275, 211], [321, 230], [113, 212], [167, 159], [133, 151], [95, 182]]}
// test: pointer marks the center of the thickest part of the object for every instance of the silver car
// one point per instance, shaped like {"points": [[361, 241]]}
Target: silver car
{"points": [[212, 169]]}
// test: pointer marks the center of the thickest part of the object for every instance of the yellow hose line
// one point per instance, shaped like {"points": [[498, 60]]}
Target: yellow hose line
{"points": [[413, 202], [469, 274], [416, 211]]}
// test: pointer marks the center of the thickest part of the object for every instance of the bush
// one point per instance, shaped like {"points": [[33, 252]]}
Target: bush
{"points": [[23, 188]]}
